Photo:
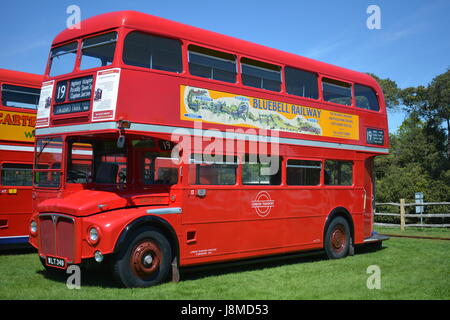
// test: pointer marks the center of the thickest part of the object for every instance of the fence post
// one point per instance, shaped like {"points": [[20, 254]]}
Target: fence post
{"points": [[402, 214]]}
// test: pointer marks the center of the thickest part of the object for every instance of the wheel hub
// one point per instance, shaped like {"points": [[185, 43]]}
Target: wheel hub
{"points": [[145, 259], [338, 239]]}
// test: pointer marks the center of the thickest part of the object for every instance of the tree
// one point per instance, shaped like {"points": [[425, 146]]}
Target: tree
{"points": [[416, 163], [420, 149], [391, 92], [431, 103]]}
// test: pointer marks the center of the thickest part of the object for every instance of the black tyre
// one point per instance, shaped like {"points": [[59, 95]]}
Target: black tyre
{"points": [[337, 238], [144, 260]]}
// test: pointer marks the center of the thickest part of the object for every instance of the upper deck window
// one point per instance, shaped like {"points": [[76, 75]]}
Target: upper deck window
{"points": [[212, 64], [262, 75], [148, 51], [98, 51], [62, 59], [20, 97], [301, 83], [337, 91], [366, 98]]}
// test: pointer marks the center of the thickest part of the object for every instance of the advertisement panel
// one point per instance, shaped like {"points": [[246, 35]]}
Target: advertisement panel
{"points": [[198, 104], [17, 126]]}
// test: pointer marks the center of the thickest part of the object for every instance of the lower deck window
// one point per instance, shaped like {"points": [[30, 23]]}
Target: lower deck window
{"points": [[16, 174], [338, 173], [261, 172], [219, 170], [303, 172], [159, 169]]}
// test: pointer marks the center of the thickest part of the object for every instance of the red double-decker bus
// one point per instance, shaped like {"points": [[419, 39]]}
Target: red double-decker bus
{"points": [[19, 93], [161, 145]]}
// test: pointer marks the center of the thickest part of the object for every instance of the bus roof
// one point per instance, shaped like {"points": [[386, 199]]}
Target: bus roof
{"points": [[157, 25], [20, 77]]}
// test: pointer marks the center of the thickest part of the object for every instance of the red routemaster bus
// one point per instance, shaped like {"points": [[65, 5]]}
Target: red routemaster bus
{"points": [[19, 98], [199, 148]]}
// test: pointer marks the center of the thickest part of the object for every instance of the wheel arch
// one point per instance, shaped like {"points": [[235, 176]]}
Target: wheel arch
{"points": [[340, 212], [151, 221]]}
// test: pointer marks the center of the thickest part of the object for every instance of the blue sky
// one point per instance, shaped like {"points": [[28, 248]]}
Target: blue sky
{"points": [[411, 48]]}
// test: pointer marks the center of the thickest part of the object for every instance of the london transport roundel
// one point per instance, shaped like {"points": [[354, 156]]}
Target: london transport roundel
{"points": [[263, 204]]}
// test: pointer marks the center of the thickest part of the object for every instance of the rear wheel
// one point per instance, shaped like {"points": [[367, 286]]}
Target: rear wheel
{"points": [[145, 259], [337, 238]]}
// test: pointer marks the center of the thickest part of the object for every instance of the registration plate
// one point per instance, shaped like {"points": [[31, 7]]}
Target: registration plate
{"points": [[56, 262]]}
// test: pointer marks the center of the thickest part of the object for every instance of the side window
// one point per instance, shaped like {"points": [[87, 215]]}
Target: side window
{"points": [[261, 75], [159, 169], [301, 83], [303, 172], [212, 64], [338, 173], [337, 91], [366, 98], [20, 97], [255, 172], [148, 51], [16, 174], [221, 171]]}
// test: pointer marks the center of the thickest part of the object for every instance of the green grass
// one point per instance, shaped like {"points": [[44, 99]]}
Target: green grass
{"points": [[410, 269]]}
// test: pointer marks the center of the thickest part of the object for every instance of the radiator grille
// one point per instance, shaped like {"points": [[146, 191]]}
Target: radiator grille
{"points": [[57, 236]]}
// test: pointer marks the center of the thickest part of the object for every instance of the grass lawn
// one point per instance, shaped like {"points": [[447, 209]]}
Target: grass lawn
{"points": [[410, 269]]}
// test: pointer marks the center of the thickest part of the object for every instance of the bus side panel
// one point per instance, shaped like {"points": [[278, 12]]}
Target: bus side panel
{"points": [[211, 223], [263, 224], [15, 201], [304, 217]]}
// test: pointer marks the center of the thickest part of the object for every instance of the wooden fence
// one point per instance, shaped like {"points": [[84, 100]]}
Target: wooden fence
{"points": [[404, 215]]}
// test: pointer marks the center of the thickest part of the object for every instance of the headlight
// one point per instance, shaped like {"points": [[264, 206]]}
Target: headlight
{"points": [[94, 235], [33, 227]]}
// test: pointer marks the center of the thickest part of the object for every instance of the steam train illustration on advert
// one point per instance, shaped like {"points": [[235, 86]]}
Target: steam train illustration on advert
{"points": [[238, 110]]}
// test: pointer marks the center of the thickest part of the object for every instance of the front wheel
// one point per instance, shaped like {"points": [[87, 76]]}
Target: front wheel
{"points": [[337, 238], [145, 259]]}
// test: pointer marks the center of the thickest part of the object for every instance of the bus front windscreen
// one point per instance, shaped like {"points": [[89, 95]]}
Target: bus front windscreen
{"points": [[47, 166], [62, 59], [98, 51]]}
